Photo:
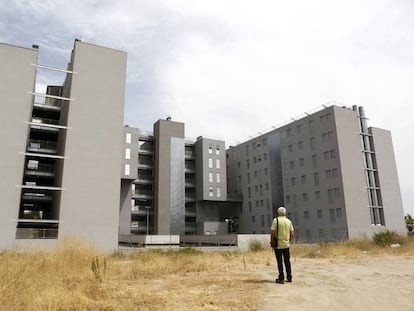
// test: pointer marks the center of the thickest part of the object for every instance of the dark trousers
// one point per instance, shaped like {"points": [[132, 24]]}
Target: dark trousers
{"points": [[283, 256]]}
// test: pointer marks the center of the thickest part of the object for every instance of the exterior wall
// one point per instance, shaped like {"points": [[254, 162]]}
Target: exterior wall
{"points": [[313, 198], [169, 191], [91, 175], [249, 168], [211, 179], [316, 169], [130, 153], [388, 180], [17, 78], [352, 173]]}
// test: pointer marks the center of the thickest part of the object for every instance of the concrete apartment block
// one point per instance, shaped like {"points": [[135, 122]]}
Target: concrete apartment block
{"points": [[17, 83], [388, 180], [89, 206], [169, 188], [328, 169]]}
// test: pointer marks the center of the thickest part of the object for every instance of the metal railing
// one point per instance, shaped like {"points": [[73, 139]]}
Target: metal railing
{"points": [[36, 233]]}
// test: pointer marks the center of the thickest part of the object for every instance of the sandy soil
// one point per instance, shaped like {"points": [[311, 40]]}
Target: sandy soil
{"points": [[368, 283]]}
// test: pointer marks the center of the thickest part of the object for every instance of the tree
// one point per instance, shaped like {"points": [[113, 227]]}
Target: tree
{"points": [[409, 222]]}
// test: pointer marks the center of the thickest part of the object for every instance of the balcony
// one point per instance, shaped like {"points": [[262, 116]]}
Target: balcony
{"points": [[36, 233], [49, 104], [141, 210], [189, 154], [142, 194], [40, 170], [36, 197], [144, 178], [42, 146]]}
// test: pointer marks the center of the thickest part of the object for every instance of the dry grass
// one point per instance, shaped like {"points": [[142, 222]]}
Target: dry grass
{"points": [[63, 278]]}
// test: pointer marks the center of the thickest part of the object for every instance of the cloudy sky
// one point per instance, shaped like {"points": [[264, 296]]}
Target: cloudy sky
{"points": [[229, 69]]}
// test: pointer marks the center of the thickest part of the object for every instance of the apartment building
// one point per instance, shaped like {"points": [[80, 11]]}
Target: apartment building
{"points": [[70, 168], [172, 185], [336, 176], [58, 178]]}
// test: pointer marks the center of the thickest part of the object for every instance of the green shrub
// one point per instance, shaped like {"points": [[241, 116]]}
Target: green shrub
{"points": [[255, 246], [386, 238]]}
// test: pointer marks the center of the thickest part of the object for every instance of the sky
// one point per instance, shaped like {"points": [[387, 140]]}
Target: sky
{"points": [[232, 69]]}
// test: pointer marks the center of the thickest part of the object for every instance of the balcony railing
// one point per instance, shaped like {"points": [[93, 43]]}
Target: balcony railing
{"points": [[42, 146], [36, 233], [140, 209], [45, 121]]}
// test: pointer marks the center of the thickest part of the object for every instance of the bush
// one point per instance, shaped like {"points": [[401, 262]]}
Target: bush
{"points": [[255, 246], [386, 238]]}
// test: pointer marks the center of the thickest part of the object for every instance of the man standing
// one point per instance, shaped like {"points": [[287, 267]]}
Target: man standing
{"points": [[282, 228]]}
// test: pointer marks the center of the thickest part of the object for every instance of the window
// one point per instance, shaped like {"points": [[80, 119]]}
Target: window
{"points": [[292, 181], [310, 123], [217, 150], [317, 195], [332, 153], [248, 178], [264, 156], [127, 169], [210, 150], [210, 192], [289, 132], [314, 161], [328, 173], [218, 191], [210, 177], [127, 153], [299, 128], [128, 138], [218, 178], [316, 179], [326, 155], [339, 212], [330, 196], [300, 145], [249, 192], [266, 171], [290, 147], [332, 215], [305, 197], [306, 214], [319, 213], [303, 179], [302, 162], [253, 219], [292, 164], [256, 189], [334, 172], [217, 163], [210, 163], [247, 150], [312, 143], [267, 186], [250, 207]]}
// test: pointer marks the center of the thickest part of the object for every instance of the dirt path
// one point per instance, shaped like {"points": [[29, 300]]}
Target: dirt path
{"points": [[383, 283]]}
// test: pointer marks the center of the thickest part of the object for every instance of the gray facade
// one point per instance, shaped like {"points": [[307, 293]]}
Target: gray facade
{"points": [[69, 181], [336, 177], [17, 83], [70, 168]]}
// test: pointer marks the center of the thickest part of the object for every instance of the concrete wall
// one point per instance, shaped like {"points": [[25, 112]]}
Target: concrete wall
{"points": [[164, 131], [91, 175], [17, 78], [388, 180], [207, 149]]}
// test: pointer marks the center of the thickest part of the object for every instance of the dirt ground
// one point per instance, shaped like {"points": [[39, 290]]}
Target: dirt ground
{"points": [[369, 283]]}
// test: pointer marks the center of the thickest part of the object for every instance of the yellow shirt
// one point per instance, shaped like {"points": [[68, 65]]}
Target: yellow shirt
{"points": [[285, 227]]}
